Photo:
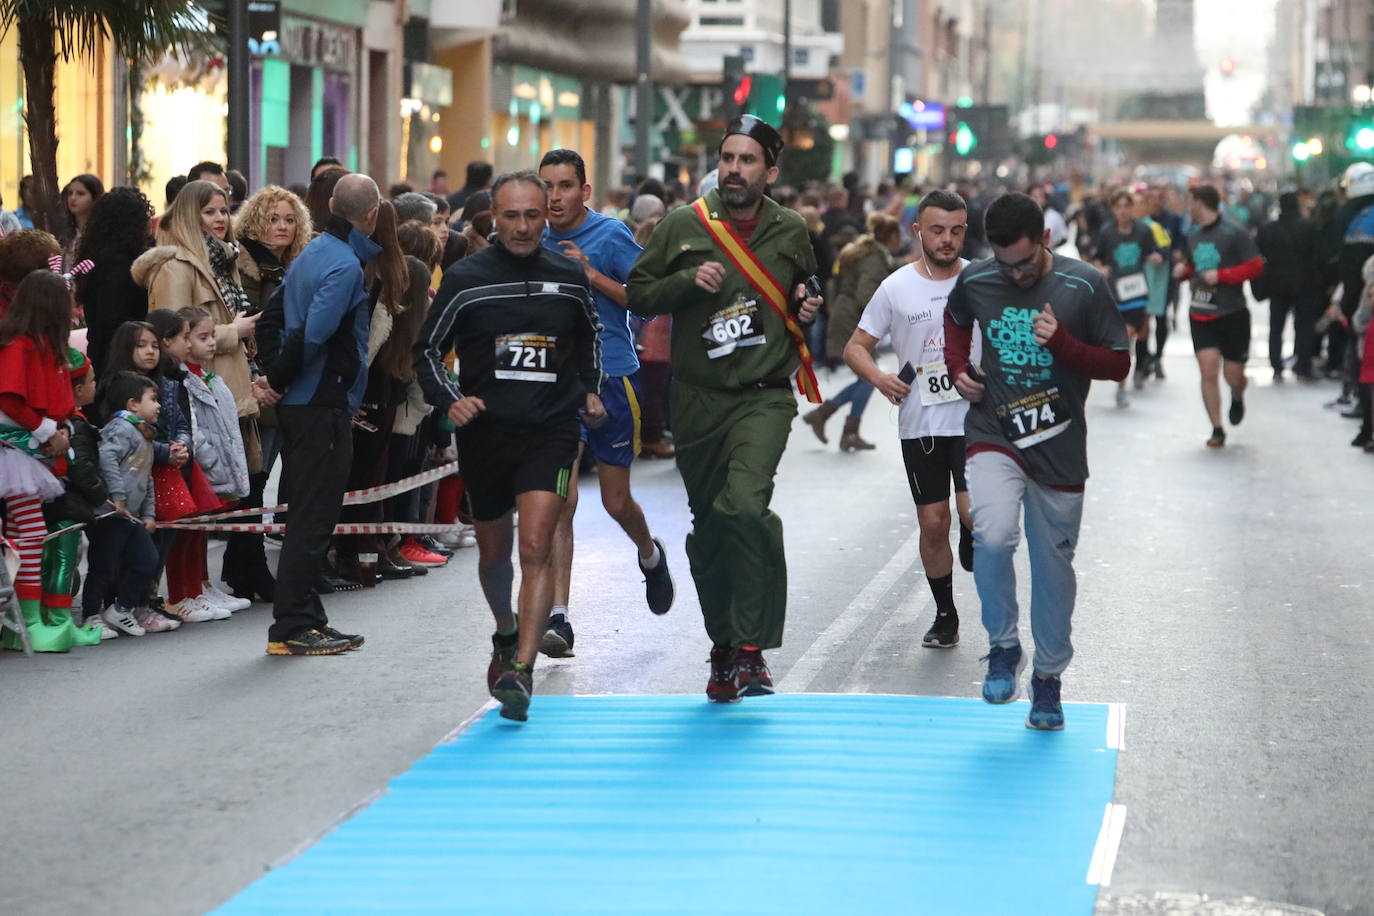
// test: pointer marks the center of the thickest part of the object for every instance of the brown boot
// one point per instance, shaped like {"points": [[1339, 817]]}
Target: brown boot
{"points": [[660, 449], [850, 441], [816, 419]]}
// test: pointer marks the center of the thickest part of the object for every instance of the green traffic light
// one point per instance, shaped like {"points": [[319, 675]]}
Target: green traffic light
{"points": [[964, 139], [1364, 138], [1301, 152]]}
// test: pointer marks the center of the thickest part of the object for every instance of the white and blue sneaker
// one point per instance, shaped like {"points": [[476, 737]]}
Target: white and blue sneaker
{"points": [[1046, 712], [1003, 681]]}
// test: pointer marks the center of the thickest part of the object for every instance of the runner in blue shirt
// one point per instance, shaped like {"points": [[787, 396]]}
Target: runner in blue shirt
{"points": [[607, 251]]}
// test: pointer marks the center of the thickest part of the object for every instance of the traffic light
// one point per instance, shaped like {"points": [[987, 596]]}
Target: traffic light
{"points": [[1051, 141], [1360, 138], [736, 87], [964, 139]]}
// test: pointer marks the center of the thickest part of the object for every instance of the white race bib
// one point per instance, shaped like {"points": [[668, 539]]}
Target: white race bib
{"points": [[935, 385], [526, 358], [1132, 287]]}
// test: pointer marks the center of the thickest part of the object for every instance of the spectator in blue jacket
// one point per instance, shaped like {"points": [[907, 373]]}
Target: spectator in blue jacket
{"points": [[317, 382]]}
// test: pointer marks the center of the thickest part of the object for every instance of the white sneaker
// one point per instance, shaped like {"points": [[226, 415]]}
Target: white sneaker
{"points": [[192, 610], [122, 620], [153, 622], [106, 631], [217, 611], [215, 596], [450, 538], [467, 537]]}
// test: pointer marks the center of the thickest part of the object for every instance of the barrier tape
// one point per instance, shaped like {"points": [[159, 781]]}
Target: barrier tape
{"points": [[351, 498], [385, 528]]}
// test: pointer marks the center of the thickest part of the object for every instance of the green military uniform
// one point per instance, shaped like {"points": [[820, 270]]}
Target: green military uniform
{"points": [[733, 405]]}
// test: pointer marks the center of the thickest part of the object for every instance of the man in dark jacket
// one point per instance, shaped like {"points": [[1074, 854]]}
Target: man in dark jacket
{"points": [[1291, 253], [317, 381]]}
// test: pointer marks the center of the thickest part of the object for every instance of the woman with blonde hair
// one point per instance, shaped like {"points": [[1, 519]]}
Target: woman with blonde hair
{"points": [[862, 266], [195, 264]]}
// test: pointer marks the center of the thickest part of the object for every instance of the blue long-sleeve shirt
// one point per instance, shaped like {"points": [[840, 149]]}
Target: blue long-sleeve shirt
{"points": [[323, 358]]}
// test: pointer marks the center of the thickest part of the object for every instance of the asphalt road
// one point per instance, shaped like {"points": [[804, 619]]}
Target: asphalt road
{"points": [[1224, 597]]}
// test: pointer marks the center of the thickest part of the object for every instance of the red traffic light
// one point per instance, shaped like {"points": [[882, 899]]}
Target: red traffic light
{"points": [[746, 85], [1051, 141]]}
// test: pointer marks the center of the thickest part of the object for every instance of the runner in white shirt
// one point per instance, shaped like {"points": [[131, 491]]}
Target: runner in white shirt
{"points": [[910, 307]]}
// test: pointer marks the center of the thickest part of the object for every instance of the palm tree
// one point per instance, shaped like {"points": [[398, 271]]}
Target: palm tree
{"points": [[49, 29]]}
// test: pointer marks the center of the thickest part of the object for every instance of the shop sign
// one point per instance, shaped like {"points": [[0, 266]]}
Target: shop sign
{"points": [[319, 44]]}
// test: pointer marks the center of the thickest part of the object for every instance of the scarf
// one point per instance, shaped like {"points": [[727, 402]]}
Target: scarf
{"points": [[139, 423], [223, 255]]}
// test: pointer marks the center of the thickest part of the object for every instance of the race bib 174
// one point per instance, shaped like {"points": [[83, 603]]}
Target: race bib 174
{"points": [[1034, 418]]}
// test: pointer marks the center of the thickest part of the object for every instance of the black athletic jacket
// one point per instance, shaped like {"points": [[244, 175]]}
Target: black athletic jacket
{"points": [[525, 330]]}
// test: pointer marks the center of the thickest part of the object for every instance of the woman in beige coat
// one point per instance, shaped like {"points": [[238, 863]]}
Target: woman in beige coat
{"points": [[194, 264]]}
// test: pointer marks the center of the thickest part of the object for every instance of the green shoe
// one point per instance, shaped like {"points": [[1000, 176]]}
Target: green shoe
{"points": [[81, 636], [44, 637]]}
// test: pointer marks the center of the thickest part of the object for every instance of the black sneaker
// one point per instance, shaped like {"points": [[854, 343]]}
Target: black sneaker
{"points": [[965, 548], [751, 673], [353, 639], [558, 638], [1159, 368], [1237, 411], [658, 583], [513, 690], [502, 657], [722, 688], [943, 633], [308, 642], [1218, 438]]}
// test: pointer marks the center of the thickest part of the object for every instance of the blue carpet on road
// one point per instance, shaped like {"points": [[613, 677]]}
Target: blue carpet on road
{"points": [[666, 804]]}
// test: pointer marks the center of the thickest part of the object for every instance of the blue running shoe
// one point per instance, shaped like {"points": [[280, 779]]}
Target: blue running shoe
{"points": [[1003, 681], [1046, 713]]}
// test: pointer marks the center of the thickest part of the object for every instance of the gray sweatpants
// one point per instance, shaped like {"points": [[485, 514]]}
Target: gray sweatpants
{"points": [[998, 488]]}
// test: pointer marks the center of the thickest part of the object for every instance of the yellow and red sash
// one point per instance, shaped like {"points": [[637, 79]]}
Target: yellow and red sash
{"points": [[747, 263]]}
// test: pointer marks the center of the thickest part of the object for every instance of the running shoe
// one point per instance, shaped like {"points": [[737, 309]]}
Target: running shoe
{"points": [[308, 642], [502, 657], [751, 673], [943, 633], [722, 688], [153, 622], [353, 639], [192, 610], [1003, 681], [558, 638], [965, 547], [416, 554], [659, 590], [1218, 438], [1046, 713], [123, 620], [513, 690], [215, 595], [1121, 399], [1159, 368], [432, 544], [1237, 411]]}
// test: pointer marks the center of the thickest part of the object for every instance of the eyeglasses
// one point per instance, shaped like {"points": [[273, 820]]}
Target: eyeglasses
{"points": [[1020, 267]]}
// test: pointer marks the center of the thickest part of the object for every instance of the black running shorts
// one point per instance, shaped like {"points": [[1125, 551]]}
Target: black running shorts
{"points": [[1136, 319], [1230, 334], [931, 463], [500, 463]]}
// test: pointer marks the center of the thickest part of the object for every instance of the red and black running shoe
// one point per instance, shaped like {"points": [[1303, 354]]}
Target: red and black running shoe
{"points": [[513, 690], [751, 673], [722, 687]]}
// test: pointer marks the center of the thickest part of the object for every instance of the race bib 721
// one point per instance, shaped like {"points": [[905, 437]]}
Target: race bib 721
{"points": [[526, 357]]}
